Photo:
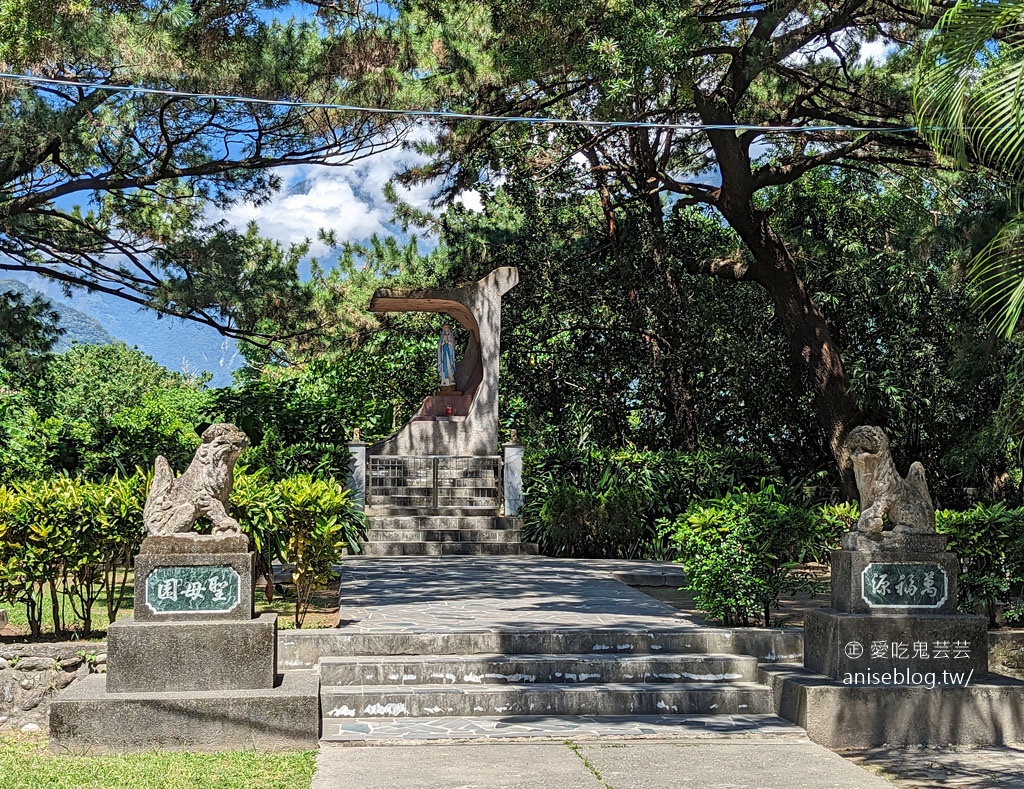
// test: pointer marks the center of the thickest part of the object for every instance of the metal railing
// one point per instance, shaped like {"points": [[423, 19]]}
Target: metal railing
{"points": [[434, 481]]}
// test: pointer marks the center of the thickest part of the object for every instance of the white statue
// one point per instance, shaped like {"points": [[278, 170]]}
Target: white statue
{"points": [[446, 357]]}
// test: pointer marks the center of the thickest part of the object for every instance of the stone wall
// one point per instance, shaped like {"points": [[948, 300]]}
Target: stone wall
{"points": [[32, 674], [1006, 653]]}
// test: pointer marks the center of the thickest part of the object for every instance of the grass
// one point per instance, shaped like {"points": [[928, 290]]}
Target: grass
{"points": [[18, 622], [25, 763], [322, 613]]}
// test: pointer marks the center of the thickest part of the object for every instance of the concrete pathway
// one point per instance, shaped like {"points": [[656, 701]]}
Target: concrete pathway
{"points": [[964, 768], [591, 765], [453, 594]]}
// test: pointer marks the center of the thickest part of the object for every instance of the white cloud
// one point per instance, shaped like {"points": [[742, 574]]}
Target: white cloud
{"points": [[348, 200], [470, 199], [820, 49], [877, 51]]}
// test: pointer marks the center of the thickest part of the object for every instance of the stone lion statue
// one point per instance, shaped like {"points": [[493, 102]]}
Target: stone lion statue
{"points": [[883, 492], [174, 505]]}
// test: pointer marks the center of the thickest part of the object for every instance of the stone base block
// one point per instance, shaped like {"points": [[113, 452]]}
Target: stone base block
{"points": [[841, 645], [158, 656], [844, 716], [88, 719], [849, 581], [194, 586], [889, 542], [191, 542]]}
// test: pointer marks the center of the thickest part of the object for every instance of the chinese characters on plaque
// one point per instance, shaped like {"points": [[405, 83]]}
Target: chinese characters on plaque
{"points": [[904, 585], [201, 589]]}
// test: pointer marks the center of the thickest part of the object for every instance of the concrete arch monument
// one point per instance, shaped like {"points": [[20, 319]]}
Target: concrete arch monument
{"points": [[472, 426]]}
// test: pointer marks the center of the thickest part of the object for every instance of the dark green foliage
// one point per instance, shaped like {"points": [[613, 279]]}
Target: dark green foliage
{"points": [[597, 502], [1014, 614], [609, 524], [888, 276], [101, 409], [989, 541], [646, 350], [300, 419], [71, 538], [832, 521], [738, 550], [75, 326], [29, 327]]}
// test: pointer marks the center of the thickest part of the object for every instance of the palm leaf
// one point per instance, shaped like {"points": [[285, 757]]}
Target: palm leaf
{"points": [[969, 104], [969, 83], [998, 271]]}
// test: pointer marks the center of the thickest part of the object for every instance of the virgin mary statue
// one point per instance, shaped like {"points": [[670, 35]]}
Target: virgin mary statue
{"points": [[446, 357]]}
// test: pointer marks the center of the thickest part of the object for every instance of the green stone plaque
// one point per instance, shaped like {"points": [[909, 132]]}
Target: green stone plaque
{"points": [[203, 589], [904, 585]]}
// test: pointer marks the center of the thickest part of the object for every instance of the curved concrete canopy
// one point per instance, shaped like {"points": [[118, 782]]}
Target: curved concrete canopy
{"points": [[474, 428]]}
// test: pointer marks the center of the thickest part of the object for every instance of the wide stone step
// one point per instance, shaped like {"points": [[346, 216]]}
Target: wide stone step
{"points": [[406, 502], [383, 509], [545, 699], [439, 522], [441, 549], [527, 669], [556, 728], [443, 535], [306, 648]]}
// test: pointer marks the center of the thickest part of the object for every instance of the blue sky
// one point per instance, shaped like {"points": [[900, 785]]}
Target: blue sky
{"points": [[348, 200]]}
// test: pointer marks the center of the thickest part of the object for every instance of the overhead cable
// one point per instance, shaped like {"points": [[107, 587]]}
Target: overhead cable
{"points": [[448, 115]]}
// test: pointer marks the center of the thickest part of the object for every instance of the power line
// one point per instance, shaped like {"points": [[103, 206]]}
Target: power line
{"points": [[444, 114]]}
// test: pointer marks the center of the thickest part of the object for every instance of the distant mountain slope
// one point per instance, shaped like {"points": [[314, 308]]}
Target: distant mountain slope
{"points": [[179, 345], [78, 326]]}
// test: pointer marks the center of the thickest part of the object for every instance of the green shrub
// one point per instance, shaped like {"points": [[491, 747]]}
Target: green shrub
{"points": [[317, 523], [621, 495], [737, 551], [831, 522], [72, 538], [1013, 616], [594, 525], [989, 541]]}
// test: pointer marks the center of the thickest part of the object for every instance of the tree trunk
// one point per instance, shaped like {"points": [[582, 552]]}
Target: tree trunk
{"points": [[809, 336], [678, 405]]}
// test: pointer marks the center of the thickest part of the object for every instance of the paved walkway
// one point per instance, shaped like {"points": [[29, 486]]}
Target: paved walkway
{"points": [[597, 765], [964, 768], [473, 594]]}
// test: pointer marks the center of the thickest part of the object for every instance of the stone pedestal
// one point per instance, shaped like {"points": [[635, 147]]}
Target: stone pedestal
{"points": [[893, 653], [887, 649], [512, 478], [194, 668], [893, 619], [357, 474], [144, 656], [189, 578]]}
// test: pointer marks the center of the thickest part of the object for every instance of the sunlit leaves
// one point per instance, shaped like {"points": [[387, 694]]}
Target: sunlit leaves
{"points": [[969, 100]]}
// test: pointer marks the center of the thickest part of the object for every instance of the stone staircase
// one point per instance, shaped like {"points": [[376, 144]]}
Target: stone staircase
{"points": [[444, 535], [555, 674]]}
